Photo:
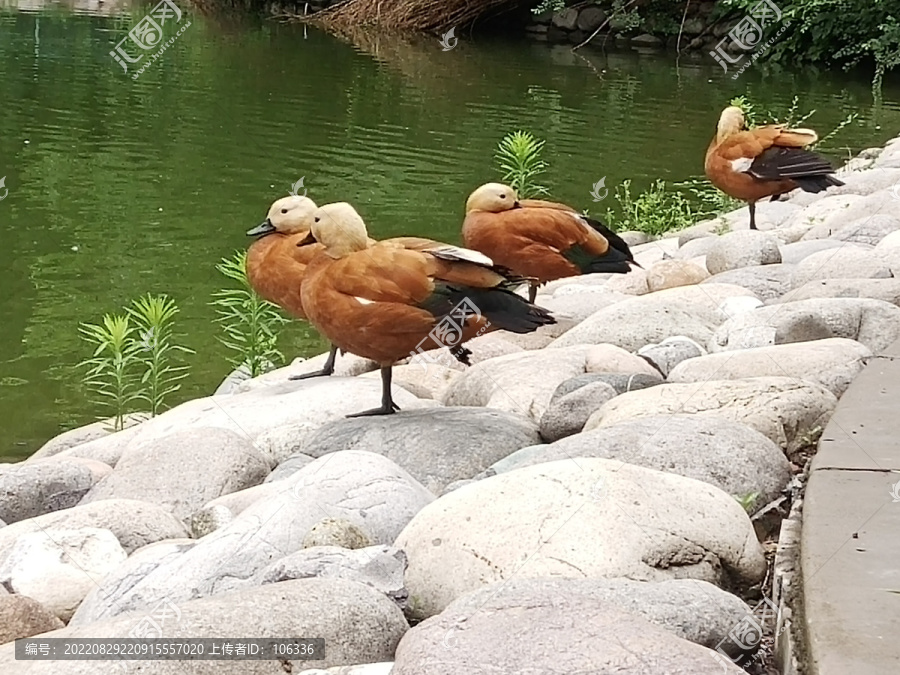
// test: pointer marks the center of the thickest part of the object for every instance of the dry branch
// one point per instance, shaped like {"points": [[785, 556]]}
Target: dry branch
{"points": [[423, 15]]}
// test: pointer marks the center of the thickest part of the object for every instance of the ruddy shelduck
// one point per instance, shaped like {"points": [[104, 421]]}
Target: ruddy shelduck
{"points": [[538, 239], [752, 164], [386, 302], [276, 265], [276, 261]]}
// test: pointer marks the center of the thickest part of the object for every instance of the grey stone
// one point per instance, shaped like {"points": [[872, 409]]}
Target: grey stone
{"points": [[546, 638], [59, 567], [874, 323], [134, 523], [222, 510], [379, 567], [748, 248], [866, 182], [595, 518], [670, 352], [693, 610], [691, 311], [868, 230], [74, 437], [579, 306], [289, 467], [367, 627], [567, 414], [184, 469], [699, 246], [887, 290], [590, 18], [138, 565], [784, 409], [106, 449], [231, 384], [209, 519], [518, 383], [673, 273], [565, 19], [647, 40], [792, 254], [769, 216], [732, 456], [635, 238], [767, 282], [832, 362], [366, 489], [30, 489], [276, 414], [621, 382], [881, 201], [436, 446], [22, 617], [336, 532]]}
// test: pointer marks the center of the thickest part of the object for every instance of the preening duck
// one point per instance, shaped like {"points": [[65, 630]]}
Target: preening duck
{"points": [[538, 239], [386, 302], [764, 162]]}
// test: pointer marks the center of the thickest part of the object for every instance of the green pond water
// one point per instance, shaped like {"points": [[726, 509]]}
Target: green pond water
{"points": [[118, 187]]}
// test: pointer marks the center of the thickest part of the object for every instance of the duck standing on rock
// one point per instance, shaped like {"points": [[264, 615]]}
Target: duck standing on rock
{"points": [[386, 302], [276, 262], [276, 265], [752, 164], [539, 239]]}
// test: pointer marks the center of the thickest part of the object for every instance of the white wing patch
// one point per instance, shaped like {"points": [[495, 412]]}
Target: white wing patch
{"points": [[741, 165], [363, 301], [464, 254]]}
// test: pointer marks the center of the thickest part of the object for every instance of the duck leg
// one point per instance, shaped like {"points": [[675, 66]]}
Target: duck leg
{"points": [[752, 206], [532, 291], [388, 407], [327, 369]]}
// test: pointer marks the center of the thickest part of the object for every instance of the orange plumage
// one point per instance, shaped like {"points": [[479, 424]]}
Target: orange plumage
{"points": [[539, 239], [764, 162], [275, 264], [386, 302]]}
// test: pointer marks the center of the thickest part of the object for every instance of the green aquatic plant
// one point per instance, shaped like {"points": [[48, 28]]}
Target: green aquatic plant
{"points": [[133, 357], [519, 157], [250, 324], [154, 317], [657, 210], [111, 371]]}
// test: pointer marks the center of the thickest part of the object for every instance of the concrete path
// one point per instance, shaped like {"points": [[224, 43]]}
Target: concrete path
{"points": [[850, 554]]}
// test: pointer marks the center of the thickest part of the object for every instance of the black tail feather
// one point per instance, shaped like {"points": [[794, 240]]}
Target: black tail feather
{"points": [[615, 241], [613, 261], [816, 183], [810, 171], [502, 307]]}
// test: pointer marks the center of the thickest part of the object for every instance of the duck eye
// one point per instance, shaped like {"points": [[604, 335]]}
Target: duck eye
{"points": [[503, 196], [317, 219], [284, 210]]}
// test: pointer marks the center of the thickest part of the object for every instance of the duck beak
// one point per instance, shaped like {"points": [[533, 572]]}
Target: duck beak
{"points": [[308, 239], [265, 227]]}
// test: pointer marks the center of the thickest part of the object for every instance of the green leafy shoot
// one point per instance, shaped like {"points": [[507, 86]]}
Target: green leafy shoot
{"points": [[250, 324], [111, 372], [519, 158], [154, 318]]}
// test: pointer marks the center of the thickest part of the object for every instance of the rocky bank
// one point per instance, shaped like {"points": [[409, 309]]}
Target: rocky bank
{"points": [[587, 499]]}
